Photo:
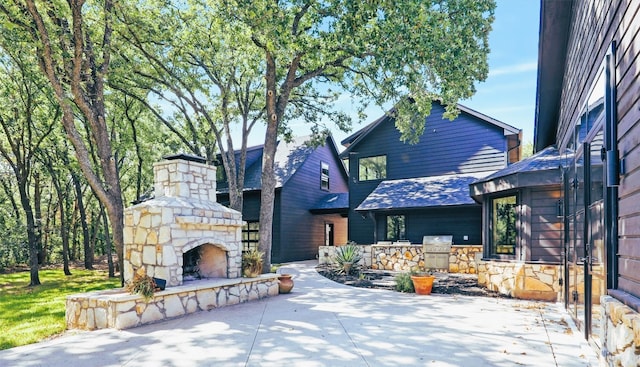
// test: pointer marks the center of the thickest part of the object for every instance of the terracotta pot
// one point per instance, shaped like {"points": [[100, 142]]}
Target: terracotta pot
{"points": [[423, 283], [285, 283]]}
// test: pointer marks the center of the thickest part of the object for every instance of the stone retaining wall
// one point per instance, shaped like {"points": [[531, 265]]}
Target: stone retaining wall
{"points": [[620, 329], [462, 259], [119, 309], [521, 280]]}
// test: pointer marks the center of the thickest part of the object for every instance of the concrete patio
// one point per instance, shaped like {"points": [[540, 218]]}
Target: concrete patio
{"points": [[323, 323]]}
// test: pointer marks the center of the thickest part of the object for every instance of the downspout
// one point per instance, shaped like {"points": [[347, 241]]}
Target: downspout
{"points": [[372, 216], [613, 170]]}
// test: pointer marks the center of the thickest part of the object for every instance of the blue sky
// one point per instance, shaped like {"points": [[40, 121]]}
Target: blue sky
{"points": [[507, 95]]}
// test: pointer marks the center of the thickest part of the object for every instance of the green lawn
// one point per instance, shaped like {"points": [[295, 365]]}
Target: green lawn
{"points": [[30, 314]]}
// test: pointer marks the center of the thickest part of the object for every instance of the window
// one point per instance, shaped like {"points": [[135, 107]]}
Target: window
{"points": [[324, 176], [220, 174], [503, 225], [250, 236], [395, 227], [372, 168]]}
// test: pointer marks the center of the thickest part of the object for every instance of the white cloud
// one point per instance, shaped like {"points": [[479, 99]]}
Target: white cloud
{"points": [[514, 69]]}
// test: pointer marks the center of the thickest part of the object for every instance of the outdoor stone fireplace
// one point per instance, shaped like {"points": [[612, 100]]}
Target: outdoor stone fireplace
{"points": [[183, 233], [185, 237]]}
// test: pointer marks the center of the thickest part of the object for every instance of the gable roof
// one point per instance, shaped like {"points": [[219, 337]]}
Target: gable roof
{"points": [[288, 159], [353, 139], [421, 192]]}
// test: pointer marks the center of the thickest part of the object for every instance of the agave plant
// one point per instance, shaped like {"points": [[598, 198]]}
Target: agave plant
{"points": [[346, 256]]}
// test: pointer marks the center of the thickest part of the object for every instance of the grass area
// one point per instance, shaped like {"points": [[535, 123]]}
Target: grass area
{"points": [[30, 314]]}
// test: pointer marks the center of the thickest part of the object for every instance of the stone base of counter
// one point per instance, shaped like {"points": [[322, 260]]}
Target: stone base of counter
{"points": [[119, 309], [524, 281]]}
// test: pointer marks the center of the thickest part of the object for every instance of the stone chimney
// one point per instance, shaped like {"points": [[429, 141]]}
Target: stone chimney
{"points": [[183, 216]]}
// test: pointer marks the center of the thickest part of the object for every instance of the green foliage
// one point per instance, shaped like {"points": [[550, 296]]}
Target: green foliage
{"points": [[404, 283], [141, 284], [347, 257], [31, 314], [252, 263]]}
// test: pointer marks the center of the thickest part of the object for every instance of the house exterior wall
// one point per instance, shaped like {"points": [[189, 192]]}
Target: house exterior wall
{"points": [[594, 26], [297, 233], [545, 235], [300, 232], [460, 221], [465, 145]]}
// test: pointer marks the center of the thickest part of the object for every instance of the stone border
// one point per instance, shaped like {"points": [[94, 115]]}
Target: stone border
{"points": [[118, 309], [620, 333], [462, 258], [521, 280]]}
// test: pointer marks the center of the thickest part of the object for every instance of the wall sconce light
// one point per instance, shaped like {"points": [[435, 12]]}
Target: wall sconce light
{"points": [[560, 208]]}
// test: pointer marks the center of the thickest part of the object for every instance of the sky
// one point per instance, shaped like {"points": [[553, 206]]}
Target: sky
{"points": [[507, 95]]}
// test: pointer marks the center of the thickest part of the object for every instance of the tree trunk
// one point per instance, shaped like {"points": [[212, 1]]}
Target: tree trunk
{"points": [[32, 236], [88, 249], [107, 239]]}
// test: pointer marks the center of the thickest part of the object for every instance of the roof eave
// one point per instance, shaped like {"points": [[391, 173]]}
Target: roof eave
{"points": [[555, 21]]}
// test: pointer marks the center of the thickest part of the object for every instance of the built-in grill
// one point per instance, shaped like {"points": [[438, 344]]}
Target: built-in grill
{"points": [[436, 250]]}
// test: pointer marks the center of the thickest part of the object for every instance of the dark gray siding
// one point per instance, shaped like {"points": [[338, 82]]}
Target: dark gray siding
{"points": [[300, 232], [595, 25], [456, 221], [464, 145], [545, 235]]}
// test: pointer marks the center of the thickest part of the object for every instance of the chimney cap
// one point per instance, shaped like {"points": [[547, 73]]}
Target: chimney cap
{"points": [[186, 157]]}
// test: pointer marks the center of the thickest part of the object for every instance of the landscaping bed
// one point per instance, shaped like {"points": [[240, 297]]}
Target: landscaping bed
{"points": [[445, 283]]}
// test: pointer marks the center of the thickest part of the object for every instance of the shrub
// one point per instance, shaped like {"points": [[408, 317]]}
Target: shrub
{"points": [[141, 284], [252, 263], [404, 283], [348, 254]]}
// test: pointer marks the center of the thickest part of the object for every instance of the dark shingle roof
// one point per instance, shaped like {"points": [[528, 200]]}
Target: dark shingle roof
{"points": [[288, 158], [421, 192], [547, 159], [332, 202]]}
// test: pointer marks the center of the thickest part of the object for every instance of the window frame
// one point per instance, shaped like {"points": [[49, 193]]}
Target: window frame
{"points": [[362, 178], [251, 227], [491, 235], [325, 177], [400, 234]]}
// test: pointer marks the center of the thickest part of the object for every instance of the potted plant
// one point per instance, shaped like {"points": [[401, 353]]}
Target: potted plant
{"points": [[346, 256], [422, 281], [252, 263], [141, 284]]}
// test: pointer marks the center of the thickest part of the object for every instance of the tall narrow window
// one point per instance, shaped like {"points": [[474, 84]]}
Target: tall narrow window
{"points": [[372, 168], [503, 225], [220, 174], [324, 176], [396, 227], [250, 236]]}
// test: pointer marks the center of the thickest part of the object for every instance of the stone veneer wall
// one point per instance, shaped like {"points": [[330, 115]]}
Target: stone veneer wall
{"points": [[462, 259], [620, 331], [522, 280], [182, 216], [118, 309]]}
